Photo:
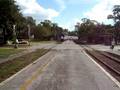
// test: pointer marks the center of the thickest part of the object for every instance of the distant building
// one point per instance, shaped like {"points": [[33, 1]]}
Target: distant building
{"points": [[103, 39], [97, 39]]}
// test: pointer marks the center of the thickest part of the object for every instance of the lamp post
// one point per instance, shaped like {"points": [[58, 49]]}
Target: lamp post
{"points": [[15, 38], [29, 33]]}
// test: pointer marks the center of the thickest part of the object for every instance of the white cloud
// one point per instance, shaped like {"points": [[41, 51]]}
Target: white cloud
{"points": [[32, 8], [101, 10]]}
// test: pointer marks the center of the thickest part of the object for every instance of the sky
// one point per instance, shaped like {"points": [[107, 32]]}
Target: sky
{"points": [[68, 12]]}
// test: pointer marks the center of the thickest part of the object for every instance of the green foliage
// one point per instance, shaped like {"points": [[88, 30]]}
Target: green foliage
{"points": [[92, 31], [116, 13], [116, 17], [86, 28], [43, 30], [47, 30], [72, 33], [5, 53], [30, 21], [9, 14]]}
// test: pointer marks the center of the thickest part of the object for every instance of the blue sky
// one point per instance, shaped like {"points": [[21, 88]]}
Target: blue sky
{"points": [[67, 12]]}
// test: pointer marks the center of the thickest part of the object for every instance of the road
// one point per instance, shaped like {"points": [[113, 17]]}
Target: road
{"points": [[65, 67]]}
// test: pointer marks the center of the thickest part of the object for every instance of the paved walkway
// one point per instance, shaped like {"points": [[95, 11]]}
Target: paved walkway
{"points": [[66, 67]]}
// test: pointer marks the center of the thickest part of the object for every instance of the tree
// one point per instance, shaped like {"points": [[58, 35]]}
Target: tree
{"points": [[86, 28], [9, 14], [54, 30], [44, 30], [30, 21], [72, 33], [116, 17], [47, 30], [23, 25]]}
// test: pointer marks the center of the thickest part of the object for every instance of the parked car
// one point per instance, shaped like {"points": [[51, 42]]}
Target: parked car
{"points": [[22, 41]]}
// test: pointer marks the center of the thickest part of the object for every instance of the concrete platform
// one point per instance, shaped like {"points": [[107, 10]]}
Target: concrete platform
{"points": [[116, 49], [68, 69]]}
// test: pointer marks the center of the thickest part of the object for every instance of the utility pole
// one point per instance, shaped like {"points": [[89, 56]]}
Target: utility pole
{"points": [[29, 34], [15, 37]]}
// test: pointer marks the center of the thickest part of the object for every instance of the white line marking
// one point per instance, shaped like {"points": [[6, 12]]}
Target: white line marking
{"points": [[108, 74]]}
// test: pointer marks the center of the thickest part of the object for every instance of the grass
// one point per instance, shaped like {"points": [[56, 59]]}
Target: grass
{"points": [[58, 42], [5, 52], [42, 42], [45, 42], [11, 67]]}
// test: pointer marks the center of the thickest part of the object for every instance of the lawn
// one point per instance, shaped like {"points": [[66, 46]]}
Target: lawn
{"points": [[11, 67], [6, 52]]}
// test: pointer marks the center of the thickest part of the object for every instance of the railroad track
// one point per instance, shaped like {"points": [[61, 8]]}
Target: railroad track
{"points": [[111, 62], [106, 54]]}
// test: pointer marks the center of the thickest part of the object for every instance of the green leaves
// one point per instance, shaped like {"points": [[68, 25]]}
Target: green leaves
{"points": [[86, 28], [47, 30], [9, 14]]}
